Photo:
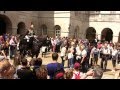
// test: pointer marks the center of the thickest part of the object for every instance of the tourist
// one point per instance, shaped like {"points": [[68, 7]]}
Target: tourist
{"points": [[114, 58], [118, 57], [69, 74], [105, 56], [95, 54], [2, 55], [63, 54], [4, 67], [96, 73], [52, 67], [25, 72], [41, 73], [36, 64], [83, 59], [13, 44], [70, 59]]}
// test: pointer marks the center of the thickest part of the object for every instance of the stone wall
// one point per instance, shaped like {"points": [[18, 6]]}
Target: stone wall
{"points": [[80, 19]]}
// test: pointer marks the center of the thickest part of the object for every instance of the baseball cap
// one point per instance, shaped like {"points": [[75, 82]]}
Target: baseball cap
{"points": [[60, 76], [76, 65]]}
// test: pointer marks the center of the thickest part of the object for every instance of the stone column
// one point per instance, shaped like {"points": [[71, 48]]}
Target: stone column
{"points": [[14, 31]]}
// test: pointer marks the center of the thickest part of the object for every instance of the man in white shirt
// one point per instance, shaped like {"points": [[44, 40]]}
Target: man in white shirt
{"points": [[114, 58], [95, 54], [63, 54], [78, 54], [105, 57]]}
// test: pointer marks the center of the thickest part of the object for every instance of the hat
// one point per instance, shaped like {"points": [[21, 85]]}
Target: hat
{"points": [[59, 75], [76, 65]]}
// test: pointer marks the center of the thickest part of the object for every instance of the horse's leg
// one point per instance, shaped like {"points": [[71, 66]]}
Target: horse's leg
{"points": [[37, 55]]}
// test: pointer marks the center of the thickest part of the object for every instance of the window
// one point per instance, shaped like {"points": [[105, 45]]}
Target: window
{"points": [[57, 30]]}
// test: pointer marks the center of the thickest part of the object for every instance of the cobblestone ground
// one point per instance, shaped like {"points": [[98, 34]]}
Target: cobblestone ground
{"points": [[107, 75]]}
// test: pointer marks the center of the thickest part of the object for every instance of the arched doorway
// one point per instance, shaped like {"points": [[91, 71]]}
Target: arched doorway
{"points": [[57, 29], [106, 35], [44, 29], [5, 25], [90, 34], [76, 32], [21, 28]]}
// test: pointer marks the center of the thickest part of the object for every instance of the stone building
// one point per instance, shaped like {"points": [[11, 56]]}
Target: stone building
{"points": [[52, 23], [16, 22], [106, 24], [75, 24]]}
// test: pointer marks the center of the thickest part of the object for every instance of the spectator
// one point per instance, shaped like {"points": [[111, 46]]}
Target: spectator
{"points": [[10, 73], [2, 55], [52, 67], [96, 72], [36, 64], [69, 74], [63, 54], [17, 60], [13, 44], [4, 67], [84, 58], [95, 54], [70, 59], [41, 73], [76, 73], [25, 72], [114, 58]]}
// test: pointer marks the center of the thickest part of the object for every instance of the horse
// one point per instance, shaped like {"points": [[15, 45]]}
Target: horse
{"points": [[33, 46]]}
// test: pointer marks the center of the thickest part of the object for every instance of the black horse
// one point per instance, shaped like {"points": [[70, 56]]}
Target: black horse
{"points": [[25, 46], [33, 46]]}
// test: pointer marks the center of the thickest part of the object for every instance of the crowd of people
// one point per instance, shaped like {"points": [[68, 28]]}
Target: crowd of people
{"points": [[82, 57]]}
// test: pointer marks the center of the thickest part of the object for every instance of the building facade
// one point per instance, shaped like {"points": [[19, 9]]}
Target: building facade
{"points": [[52, 23], [17, 22], [106, 24], [75, 24]]}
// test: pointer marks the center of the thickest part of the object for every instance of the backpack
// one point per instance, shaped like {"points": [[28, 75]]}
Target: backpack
{"points": [[77, 76], [58, 71]]}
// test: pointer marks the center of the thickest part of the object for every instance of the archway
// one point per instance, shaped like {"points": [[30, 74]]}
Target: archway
{"points": [[106, 35], [57, 29], [90, 34], [44, 29], [5, 25], [76, 32], [21, 28]]}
